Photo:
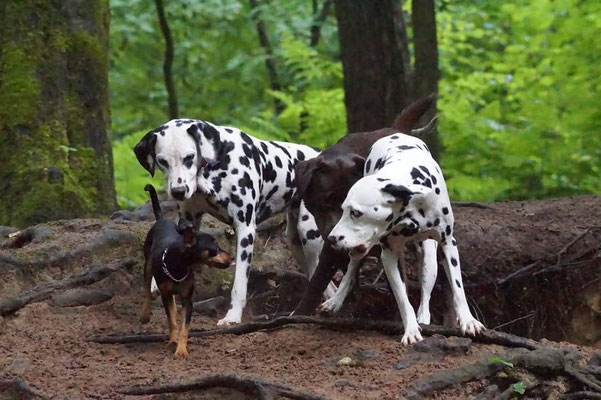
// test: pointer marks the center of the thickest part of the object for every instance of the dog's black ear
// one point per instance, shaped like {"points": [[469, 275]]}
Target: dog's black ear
{"points": [[400, 192], [145, 151], [303, 171]]}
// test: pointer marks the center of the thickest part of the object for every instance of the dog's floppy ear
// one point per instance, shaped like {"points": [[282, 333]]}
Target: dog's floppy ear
{"points": [[145, 151], [400, 192], [186, 229], [303, 171], [358, 161]]}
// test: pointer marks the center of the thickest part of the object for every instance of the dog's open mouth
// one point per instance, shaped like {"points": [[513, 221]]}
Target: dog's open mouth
{"points": [[222, 260]]}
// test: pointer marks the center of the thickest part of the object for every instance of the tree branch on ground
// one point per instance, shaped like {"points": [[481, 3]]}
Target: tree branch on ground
{"points": [[389, 327], [255, 386], [43, 291]]}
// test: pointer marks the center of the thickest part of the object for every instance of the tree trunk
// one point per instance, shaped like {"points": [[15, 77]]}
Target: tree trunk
{"points": [[272, 72], [168, 61], [425, 78], [54, 114], [375, 76]]}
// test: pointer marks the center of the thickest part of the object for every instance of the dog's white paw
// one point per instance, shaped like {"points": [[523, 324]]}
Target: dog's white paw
{"points": [[330, 291], [423, 316], [331, 305], [154, 289], [231, 318], [471, 326], [412, 335]]}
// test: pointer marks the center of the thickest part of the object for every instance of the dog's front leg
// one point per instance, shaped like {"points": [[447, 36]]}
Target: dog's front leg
{"points": [[391, 261], [245, 237], [467, 323], [182, 340], [171, 311], [346, 285], [428, 266]]}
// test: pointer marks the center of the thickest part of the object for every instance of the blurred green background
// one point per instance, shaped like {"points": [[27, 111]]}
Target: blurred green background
{"points": [[519, 94]]}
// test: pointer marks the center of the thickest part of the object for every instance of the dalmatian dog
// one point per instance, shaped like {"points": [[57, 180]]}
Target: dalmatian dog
{"points": [[402, 198], [238, 179]]}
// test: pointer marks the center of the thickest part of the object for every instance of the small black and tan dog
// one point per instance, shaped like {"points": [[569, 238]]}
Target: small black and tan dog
{"points": [[171, 252]]}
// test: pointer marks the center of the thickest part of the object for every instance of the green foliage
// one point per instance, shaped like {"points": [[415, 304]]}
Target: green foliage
{"points": [[499, 360], [130, 177], [519, 89], [519, 387], [518, 98], [314, 101]]}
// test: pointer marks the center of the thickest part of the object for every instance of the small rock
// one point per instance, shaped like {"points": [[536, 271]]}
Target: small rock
{"points": [[366, 354], [41, 233], [403, 364], [346, 362], [437, 343], [80, 297], [342, 383], [595, 360]]}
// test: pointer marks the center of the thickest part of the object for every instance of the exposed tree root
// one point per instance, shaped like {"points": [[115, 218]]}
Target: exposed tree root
{"points": [[43, 291], [390, 327], [107, 238], [581, 396], [255, 386], [543, 362], [19, 389]]}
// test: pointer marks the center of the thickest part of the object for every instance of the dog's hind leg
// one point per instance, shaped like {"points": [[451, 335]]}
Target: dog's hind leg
{"points": [[146, 311], [171, 311], [426, 254], [182, 340], [467, 323], [391, 261]]}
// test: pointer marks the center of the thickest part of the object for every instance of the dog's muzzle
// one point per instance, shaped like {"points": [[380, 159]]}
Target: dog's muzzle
{"points": [[179, 193]]}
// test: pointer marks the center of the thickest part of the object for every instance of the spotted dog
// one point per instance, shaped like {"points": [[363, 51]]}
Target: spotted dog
{"points": [[239, 179], [402, 198]]}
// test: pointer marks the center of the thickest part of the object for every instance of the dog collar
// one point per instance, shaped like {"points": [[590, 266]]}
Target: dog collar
{"points": [[166, 270]]}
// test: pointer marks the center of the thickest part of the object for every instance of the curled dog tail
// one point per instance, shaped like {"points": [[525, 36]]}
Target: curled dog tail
{"points": [[156, 207], [411, 114]]}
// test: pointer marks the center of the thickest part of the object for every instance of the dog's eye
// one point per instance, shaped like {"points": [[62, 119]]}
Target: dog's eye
{"points": [[163, 162], [189, 160], [356, 214]]}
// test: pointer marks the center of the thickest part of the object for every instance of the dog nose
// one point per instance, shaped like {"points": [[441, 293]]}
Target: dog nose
{"points": [[360, 248], [179, 192], [332, 239]]}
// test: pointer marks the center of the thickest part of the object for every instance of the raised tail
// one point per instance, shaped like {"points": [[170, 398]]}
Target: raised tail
{"points": [[412, 113], [156, 207]]}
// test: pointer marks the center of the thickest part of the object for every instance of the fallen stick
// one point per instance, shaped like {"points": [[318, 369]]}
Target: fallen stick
{"points": [[43, 291], [255, 386], [390, 327]]}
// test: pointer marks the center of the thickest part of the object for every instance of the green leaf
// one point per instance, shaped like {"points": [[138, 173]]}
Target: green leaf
{"points": [[519, 387], [498, 360]]}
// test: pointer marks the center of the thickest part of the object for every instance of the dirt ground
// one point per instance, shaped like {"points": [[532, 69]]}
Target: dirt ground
{"points": [[45, 344]]}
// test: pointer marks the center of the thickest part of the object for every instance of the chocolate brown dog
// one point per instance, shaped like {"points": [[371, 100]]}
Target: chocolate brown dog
{"points": [[171, 252], [324, 181]]}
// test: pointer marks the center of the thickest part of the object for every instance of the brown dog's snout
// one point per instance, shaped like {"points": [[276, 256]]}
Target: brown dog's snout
{"points": [[222, 260], [332, 239], [360, 249]]}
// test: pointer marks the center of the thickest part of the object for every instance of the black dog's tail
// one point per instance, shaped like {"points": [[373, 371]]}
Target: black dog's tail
{"points": [[156, 207]]}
